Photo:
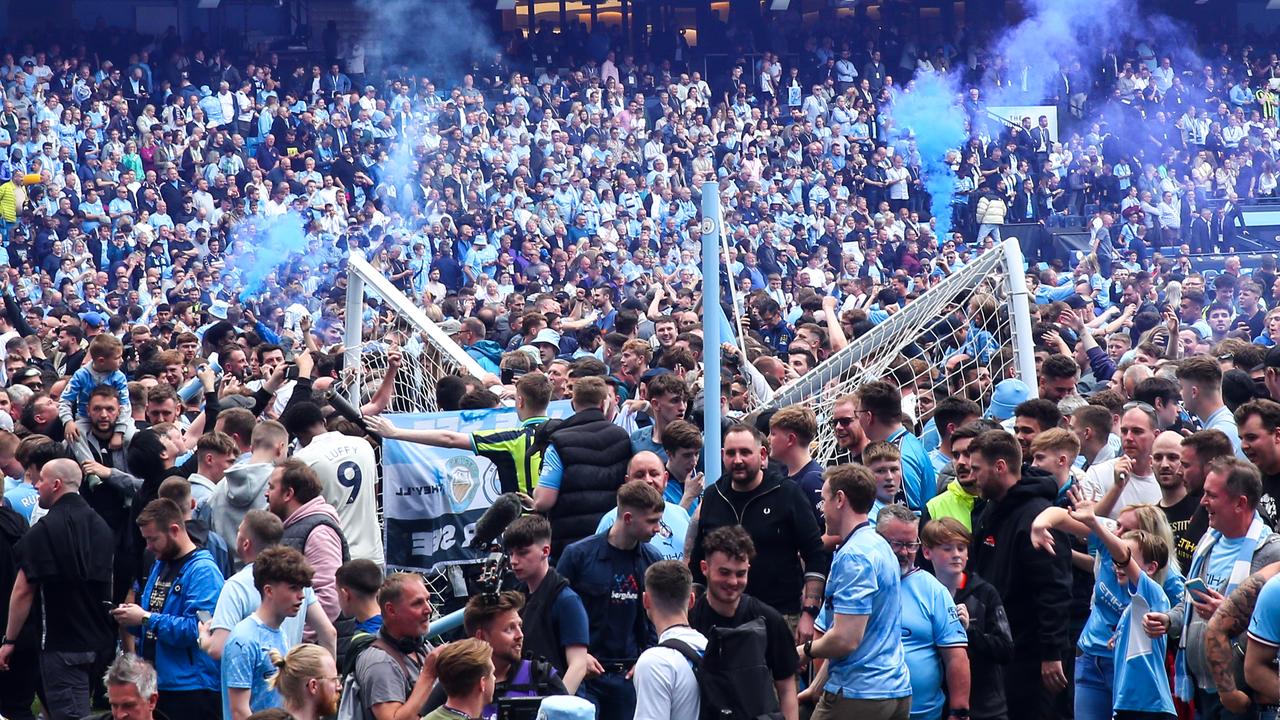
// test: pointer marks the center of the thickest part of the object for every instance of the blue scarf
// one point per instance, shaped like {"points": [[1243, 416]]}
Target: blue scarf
{"points": [[1184, 687]]}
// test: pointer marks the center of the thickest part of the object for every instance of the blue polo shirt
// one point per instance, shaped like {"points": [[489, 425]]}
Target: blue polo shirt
{"points": [[929, 622], [919, 480], [864, 580]]}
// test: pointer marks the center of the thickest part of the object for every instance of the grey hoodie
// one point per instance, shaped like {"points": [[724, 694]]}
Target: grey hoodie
{"points": [[243, 488]]}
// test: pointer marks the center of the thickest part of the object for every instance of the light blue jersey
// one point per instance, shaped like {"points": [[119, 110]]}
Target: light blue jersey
{"points": [[929, 622], [1141, 681], [240, 598], [864, 580], [919, 480], [1110, 599], [1264, 625], [246, 664], [23, 499]]}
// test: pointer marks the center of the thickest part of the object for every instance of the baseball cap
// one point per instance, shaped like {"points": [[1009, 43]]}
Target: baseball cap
{"points": [[94, 319], [1008, 395], [450, 326]]}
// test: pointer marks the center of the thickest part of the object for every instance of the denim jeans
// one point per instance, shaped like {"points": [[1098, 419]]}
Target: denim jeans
{"points": [[1094, 677], [613, 695]]}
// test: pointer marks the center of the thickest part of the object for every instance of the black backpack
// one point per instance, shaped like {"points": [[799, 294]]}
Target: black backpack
{"points": [[734, 682]]}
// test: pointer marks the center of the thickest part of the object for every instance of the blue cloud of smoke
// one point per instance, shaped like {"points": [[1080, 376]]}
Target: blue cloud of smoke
{"points": [[928, 112], [439, 39], [1053, 34], [269, 245]]}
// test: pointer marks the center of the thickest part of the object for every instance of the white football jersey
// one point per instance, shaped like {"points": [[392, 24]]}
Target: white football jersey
{"points": [[348, 475]]}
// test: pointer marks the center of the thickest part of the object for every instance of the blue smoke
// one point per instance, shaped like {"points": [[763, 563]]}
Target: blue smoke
{"points": [[461, 41], [1054, 34], [928, 112], [270, 244], [1061, 33]]}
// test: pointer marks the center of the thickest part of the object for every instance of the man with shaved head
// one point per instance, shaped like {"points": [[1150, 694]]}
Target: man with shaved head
{"points": [[1166, 462], [64, 574], [647, 467]]}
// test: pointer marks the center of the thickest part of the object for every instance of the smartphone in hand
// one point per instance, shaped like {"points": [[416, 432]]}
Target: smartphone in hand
{"points": [[1197, 586]]}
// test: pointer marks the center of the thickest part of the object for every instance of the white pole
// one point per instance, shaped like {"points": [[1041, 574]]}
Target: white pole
{"points": [[711, 332], [1020, 306], [354, 337]]}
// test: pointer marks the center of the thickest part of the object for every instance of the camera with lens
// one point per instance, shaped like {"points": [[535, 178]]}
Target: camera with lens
{"points": [[495, 575]]}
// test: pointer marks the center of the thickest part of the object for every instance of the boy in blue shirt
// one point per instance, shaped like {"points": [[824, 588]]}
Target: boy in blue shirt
{"points": [[1141, 682], [256, 644], [106, 354]]}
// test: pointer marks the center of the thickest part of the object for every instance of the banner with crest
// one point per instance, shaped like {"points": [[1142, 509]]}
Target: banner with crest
{"points": [[432, 497]]}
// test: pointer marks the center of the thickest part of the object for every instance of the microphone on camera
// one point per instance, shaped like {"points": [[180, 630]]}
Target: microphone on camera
{"points": [[504, 511]]}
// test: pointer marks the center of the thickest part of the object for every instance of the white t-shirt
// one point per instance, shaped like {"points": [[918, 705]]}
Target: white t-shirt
{"points": [[240, 597], [666, 688], [348, 477], [1099, 479], [897, 178]]}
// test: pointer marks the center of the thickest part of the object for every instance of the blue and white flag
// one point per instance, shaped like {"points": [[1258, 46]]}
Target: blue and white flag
{"points": [[432, 497]]}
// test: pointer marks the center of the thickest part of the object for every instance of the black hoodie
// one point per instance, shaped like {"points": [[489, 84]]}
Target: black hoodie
{"points": [[1035, 585], [779, 517]]}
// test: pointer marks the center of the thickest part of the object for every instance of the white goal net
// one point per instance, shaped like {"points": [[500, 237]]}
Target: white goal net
{"points": [[959, 337], [428, 354]]}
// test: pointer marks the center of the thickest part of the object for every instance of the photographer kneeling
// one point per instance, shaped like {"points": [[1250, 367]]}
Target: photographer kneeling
{"points": [[495, 619]]}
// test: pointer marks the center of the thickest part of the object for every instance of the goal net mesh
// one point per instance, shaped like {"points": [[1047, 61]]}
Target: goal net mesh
{"points": [[956, 338], [391, 320]]}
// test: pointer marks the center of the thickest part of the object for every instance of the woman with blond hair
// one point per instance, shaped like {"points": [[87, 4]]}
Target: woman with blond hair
{"points": [[1095, 662], [307, 681]]}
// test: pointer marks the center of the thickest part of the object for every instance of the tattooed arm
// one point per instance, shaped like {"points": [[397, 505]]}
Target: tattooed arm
{"points": [[1231, 620]]}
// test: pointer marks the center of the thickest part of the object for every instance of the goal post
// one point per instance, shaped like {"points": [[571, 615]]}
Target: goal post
{"points": [[428, 353], [933, 329]]}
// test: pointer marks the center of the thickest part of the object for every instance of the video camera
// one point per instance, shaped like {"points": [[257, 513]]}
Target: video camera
{"points": [[495, 574]]}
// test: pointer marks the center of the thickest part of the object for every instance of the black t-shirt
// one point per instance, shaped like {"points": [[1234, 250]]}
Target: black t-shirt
{"points": [[68, 555], [169, 571], [154, 603], [1179, 516], [780, 656], [1190, 539]]}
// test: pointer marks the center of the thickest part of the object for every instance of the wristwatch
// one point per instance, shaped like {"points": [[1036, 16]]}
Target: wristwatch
{"points": [[4, 640], [811, 610], [808, 649], [959, 713]]}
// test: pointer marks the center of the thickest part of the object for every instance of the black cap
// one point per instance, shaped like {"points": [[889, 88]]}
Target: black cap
{"points": [[1272, 360]]}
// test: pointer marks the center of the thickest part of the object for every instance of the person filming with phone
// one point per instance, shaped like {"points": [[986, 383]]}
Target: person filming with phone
{"points": [[1237, 544]]}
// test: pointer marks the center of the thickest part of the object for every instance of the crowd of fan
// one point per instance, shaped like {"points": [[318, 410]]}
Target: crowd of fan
{"points": [[184, 511]]}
